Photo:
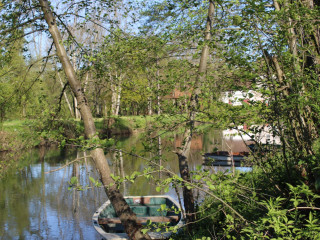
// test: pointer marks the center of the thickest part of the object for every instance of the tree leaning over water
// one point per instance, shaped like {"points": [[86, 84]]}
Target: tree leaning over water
{"points": [[33, 13], [126, 215], [272, 47]]}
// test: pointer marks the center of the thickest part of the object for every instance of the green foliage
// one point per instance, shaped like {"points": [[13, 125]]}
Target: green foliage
{"points": [[55, 130], [296, 219], [295, 216], [18, 135], [273, 50], [75, 185], [96, 183], [13, 70]]}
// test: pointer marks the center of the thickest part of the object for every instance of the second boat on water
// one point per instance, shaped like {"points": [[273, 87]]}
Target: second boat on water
{"points": [[224, 158]]}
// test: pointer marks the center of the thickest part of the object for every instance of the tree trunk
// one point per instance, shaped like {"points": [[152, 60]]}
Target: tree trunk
{"points": [[127, 217], [118, 97], [149, 97], [194, 106], [65, 96], [24, 109], [149, 106], [86, 82], [113, 96], [76, 109], [118, 100], [158, 89], [160, 155]]}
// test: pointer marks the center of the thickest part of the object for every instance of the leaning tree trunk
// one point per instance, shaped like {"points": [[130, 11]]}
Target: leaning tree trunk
{"points": [[127, 217], [194, 106]]}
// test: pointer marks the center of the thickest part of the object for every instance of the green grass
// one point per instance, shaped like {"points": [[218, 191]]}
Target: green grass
{"points": [[121, 123], [13, 125], [136, 122], [17, 134], [126, 122]]}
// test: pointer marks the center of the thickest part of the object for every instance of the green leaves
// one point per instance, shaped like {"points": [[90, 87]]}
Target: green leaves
{"points": [[75, 184], [96, 183], [237, 20], [73, 181], [285, 222], [163, 207], [145, 230]]}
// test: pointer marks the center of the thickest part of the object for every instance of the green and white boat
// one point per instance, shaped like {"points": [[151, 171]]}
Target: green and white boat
{"points": [[157, 209]]}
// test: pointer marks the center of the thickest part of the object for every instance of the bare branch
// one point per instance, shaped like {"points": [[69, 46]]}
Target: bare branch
{"points": [[20, 25], [77, 159], [304, 208]]}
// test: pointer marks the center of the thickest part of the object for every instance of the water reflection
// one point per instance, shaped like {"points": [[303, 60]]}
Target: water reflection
{"points": [[36, 205]]}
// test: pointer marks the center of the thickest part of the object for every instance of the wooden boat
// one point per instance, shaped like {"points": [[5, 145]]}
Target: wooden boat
{"points": [[147, 208], [223, 158]]}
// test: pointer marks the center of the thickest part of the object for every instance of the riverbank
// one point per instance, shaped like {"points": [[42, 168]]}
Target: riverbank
{"points": [[17, 136], [20, 134]]}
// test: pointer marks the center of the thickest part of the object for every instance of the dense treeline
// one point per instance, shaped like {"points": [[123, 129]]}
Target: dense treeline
{"points": [[144, 58], [122, 72]]}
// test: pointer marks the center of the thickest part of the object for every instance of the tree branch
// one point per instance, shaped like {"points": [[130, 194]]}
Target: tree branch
{"points": [[77, 159], [20, 25], [304, 208]]}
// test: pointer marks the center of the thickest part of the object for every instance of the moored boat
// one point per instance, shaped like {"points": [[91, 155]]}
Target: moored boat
{"points": [[224, 155], [224, 158], [155, 209]]}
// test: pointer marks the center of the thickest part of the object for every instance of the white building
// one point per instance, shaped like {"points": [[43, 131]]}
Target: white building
{"points": [[263, 134], [236, 98]]}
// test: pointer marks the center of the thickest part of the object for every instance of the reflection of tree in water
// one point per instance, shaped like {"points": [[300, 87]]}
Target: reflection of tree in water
{"points": [[33, 202], [118, 167], [17, 190], [76, 197], [76, 207], [39, 204]]}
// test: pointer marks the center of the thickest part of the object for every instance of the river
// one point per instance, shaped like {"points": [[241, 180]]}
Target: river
{"points": [[36, 202]]}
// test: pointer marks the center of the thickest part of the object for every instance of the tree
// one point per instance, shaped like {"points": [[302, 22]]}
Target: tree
{"points": [[194, 107], [23, 19], [12, 73], [285, 50], [170, 11], [127, 217]]}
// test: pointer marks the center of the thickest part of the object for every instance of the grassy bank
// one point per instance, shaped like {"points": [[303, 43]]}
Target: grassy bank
{"points": [[123, 125], [20, 134], [16, 135]]}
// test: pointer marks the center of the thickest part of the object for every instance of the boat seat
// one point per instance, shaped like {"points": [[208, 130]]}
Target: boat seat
{"points": [[146, 201], [147, 210], [139, 210], [141, 219]]}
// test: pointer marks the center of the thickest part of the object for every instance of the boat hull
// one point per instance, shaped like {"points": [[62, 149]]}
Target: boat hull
{"points": [[146, 208], [223, 158]]}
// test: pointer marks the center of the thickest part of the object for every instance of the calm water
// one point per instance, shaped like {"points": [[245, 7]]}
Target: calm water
{"points": [[35, 204]]}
